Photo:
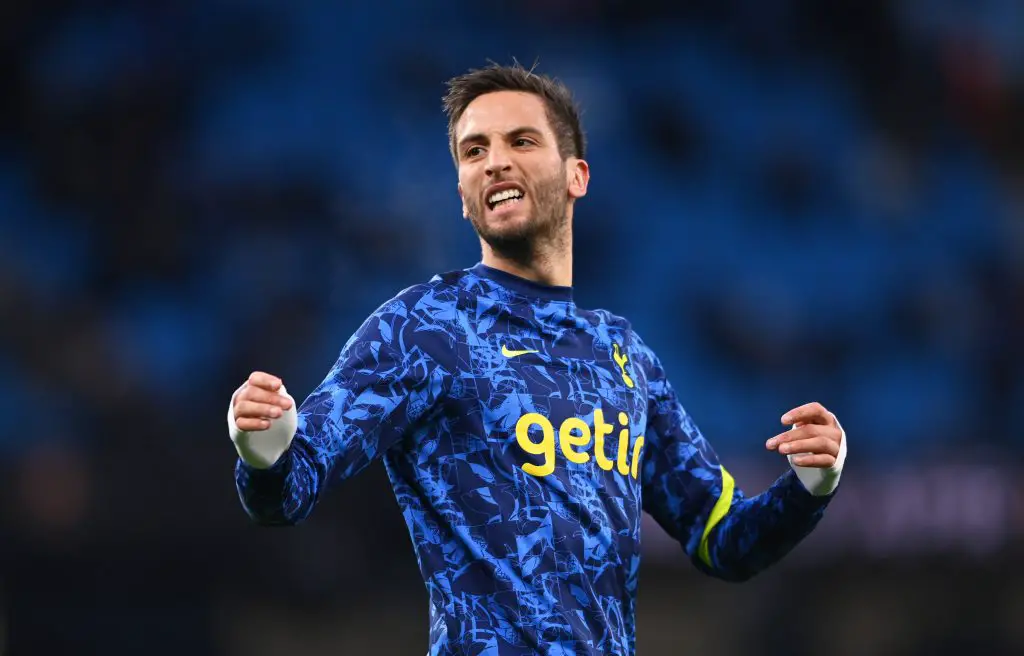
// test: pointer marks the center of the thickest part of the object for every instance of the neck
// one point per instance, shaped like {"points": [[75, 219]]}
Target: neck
{"points": [[550, 263]]}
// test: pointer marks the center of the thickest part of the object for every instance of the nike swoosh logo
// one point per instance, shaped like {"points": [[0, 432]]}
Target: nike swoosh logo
{"points": [[511, 354]]}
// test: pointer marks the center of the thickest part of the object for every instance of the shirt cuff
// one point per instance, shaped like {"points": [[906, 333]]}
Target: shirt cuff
{"points": [[822, 482], [261, 449]]}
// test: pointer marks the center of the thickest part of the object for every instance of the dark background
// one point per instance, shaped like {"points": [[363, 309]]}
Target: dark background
{"points": [[792, 200]]}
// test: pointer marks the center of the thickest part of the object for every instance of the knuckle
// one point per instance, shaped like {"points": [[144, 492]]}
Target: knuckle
{"points": [[813, 446]]}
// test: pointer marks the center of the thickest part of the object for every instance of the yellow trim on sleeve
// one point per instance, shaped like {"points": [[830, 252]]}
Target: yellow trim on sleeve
{"points": [[720, 510]]}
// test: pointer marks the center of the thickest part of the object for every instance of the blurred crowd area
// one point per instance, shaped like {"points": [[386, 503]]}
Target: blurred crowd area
{"points": [[791, 200]]}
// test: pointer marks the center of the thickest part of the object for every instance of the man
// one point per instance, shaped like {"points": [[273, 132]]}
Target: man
{"points": [[523, 435]]}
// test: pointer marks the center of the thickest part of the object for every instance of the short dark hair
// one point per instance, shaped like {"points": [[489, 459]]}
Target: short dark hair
{"points": [[561, 109]]}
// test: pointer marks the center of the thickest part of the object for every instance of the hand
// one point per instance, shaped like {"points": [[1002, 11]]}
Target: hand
{"points": [[815, 435], [259, 402]]}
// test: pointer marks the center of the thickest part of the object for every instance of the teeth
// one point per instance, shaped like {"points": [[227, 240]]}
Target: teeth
{"points": [[504, 195], [508, 201]]}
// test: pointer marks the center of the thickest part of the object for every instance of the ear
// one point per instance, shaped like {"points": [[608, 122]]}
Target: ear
{"points": [[578, 172], [462, 195]]}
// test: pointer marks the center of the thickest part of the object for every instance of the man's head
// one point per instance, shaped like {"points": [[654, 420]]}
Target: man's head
{"points": [[516, 140]]}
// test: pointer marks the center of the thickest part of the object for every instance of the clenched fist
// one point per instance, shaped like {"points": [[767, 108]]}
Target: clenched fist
{"points": [[260, 401], [815, 440]]}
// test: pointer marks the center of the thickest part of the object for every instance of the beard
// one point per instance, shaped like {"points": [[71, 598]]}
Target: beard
{"points": [[544, 225]]}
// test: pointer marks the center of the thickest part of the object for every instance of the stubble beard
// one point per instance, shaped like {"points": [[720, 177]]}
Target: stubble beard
{"points": [[544, 230]]}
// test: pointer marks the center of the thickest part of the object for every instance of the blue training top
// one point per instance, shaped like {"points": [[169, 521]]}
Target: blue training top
{"points": [[523, 435]]}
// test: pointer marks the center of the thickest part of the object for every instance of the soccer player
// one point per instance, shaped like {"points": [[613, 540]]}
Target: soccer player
{"points": [[523, 435]]}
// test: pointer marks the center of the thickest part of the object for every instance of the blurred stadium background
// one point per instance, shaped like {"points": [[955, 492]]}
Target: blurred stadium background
{"points": [[792, 200]]}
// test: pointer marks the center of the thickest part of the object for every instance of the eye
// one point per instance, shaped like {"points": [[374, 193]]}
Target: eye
{"points": [[473, 151], [523, 141]]}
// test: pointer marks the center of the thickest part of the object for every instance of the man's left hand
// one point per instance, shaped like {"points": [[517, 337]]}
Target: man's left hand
{"points": [[815, 436]]}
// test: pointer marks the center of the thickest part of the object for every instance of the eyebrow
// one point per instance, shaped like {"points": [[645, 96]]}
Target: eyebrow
{"points": [[479, 137]]}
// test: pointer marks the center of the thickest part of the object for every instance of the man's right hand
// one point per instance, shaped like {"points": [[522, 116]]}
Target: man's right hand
{"points": [[259, 402]]}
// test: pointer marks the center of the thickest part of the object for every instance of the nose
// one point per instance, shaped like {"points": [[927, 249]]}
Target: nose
{"points": [[498, 161]]}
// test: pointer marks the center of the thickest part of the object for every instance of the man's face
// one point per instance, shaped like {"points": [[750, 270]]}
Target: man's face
{"points": [[514, 185]]}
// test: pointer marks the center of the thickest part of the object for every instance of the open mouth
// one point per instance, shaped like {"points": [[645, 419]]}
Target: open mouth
{"points": [[506, 198]]}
